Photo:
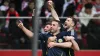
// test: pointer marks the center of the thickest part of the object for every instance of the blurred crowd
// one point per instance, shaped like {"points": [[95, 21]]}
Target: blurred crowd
{"points": [[11, 36], [88, 29]]}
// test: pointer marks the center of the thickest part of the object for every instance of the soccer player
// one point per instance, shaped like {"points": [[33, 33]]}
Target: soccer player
{"points": [[42, 36], [69, 34], [58, 46]]}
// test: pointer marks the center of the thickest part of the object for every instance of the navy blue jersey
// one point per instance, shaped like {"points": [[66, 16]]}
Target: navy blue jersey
{"points": [[70, 33], [43, 38], [59, 51]]}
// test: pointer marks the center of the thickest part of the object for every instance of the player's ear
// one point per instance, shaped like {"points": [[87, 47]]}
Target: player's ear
{"points": [[59, 27], [73, 24]]}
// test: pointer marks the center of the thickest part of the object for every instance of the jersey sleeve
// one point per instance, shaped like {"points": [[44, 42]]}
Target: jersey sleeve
{"points": [[75, 36], [41, 36]]}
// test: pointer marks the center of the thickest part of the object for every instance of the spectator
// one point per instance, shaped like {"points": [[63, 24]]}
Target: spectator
{"points": [[24, 4], [4, 7], [97, 5], [67, 8], [17, 4], [28, 12], [93, 36], [0, 2], [58, 6], [45, 12], [84, 22], [11, 25], [80, 6]]}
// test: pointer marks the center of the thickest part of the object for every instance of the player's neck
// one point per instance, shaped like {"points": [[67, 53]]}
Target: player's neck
{"points": [[70, 28], [56, 33]]}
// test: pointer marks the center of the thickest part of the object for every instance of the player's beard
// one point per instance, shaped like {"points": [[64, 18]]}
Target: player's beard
{"points": [[53, 31]]}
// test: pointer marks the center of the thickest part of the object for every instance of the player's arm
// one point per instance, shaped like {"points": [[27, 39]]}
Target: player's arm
{"points": [[51, 39], [24, 29], [51, 43], [74, 43], [63, 45], [53, 12]]}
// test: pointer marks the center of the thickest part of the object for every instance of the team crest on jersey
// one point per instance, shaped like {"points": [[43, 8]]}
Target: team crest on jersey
{"points": [[60, 40]]}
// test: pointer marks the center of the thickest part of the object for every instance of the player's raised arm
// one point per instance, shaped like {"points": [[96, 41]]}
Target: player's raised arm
{"points": [[24, 29], [53, 12]]}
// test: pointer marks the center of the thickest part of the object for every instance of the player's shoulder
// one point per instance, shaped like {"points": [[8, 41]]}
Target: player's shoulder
{"points": [[63, 32], [49, 35]]}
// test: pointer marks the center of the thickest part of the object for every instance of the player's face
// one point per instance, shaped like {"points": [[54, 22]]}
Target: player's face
{"points": [[47, 28], [54, 26], [68, 23]]}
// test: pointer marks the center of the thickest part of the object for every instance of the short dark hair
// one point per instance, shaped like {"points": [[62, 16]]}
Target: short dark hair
{"points": [[74, 20], [48, 23], [88, 6], [56, 21]]}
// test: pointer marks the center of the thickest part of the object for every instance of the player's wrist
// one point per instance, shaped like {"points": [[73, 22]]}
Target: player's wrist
{"points": [[72, 40], [22, 27], [55, 44]]}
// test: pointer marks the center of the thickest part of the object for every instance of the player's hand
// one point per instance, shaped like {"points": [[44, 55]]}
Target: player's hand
{"points": [[51, 44], [19, 24], [68, 38]]}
